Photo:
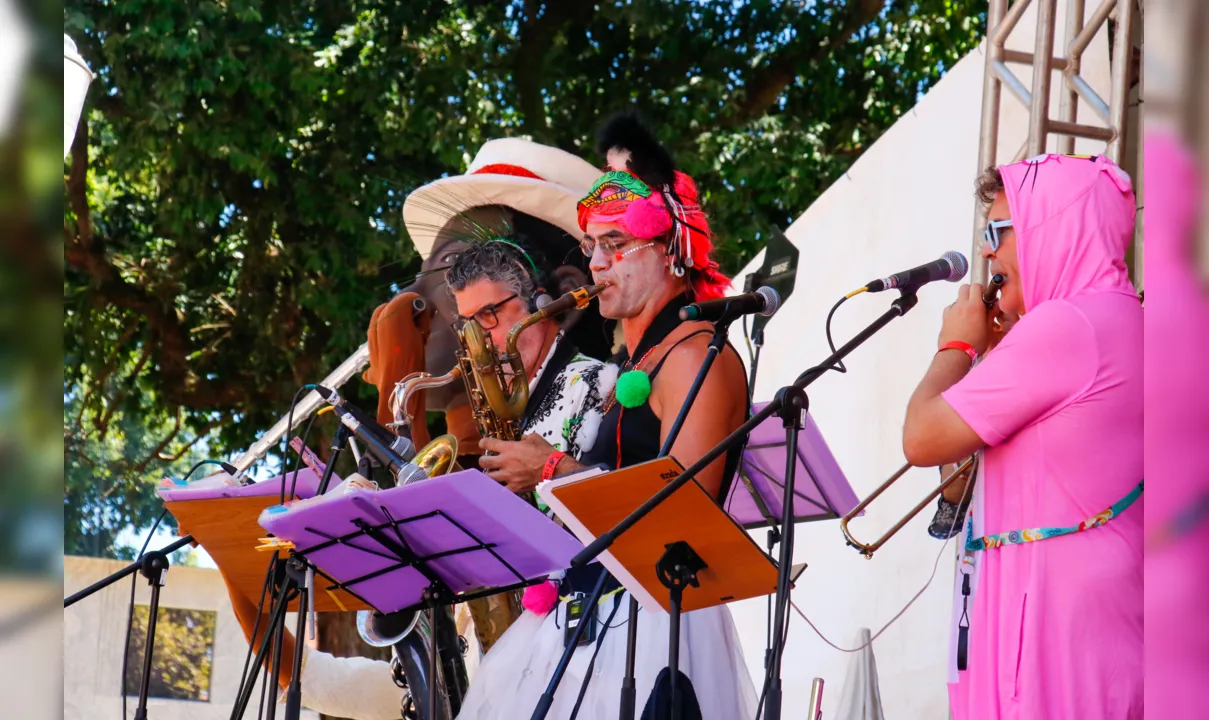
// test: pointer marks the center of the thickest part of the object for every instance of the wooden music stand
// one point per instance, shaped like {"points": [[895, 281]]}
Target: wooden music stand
{"points": [[227, 528], [591, 503]]}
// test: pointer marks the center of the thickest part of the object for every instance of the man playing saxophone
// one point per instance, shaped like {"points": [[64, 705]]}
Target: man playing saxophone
{"points": [[514, 192], [497, 284]]}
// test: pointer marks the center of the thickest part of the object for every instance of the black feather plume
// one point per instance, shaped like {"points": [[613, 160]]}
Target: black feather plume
{"points": [[649, 160]]}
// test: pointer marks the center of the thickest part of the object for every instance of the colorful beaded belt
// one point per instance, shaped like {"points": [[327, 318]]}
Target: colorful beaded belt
{"points": [[1019, 537]]}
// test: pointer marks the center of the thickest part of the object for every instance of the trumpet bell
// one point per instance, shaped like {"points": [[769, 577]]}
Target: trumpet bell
{"points": [[384, 630]]}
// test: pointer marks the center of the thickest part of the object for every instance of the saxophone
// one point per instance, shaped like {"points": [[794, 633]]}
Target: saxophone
{"points": [[498, 400]]}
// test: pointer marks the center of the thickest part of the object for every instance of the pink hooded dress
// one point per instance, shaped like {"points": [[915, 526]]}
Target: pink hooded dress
{"points": [[1056, 630]]}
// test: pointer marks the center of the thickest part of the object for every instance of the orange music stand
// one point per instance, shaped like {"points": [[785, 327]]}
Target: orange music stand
{"points": [[227, 528], [592, 502]]}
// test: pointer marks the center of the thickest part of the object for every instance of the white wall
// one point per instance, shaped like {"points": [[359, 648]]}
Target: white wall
{"points": [[94, 630], [905, 201]]}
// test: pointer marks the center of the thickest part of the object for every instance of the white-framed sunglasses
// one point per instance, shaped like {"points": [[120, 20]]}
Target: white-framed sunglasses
{"points": [[991, 234]]}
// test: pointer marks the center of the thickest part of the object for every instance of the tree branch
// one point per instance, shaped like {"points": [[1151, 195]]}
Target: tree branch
{"points": [[166, 333], [139, 469], [102, 425], [203, 432], [768, 82], [105, 372]]}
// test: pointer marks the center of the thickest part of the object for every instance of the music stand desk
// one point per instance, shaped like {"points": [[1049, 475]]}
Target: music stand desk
{"points": [[462, 535], [827, 496], [224, 521], [590, 504]]}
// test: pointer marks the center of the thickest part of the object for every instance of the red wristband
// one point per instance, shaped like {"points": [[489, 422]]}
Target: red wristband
{"points": [[965, 347], [552, 464]]}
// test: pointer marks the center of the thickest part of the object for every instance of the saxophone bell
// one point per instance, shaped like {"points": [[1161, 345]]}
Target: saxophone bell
{"points": [[385, 629]]}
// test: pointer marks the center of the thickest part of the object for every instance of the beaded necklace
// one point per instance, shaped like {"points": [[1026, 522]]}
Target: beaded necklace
{"points": [[633, 386], [629, 366]]}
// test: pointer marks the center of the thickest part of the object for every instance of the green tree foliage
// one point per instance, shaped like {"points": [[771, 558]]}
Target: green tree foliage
{"points": [[233, 203], [183, 654]]}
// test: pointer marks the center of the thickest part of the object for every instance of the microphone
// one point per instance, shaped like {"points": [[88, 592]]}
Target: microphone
{"points": [[394, 455], [952, 266], [764, 301]]}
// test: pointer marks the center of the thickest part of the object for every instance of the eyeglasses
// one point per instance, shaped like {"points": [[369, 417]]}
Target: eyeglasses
{"points": [[485, 317], [611, 246], [991, 234]]}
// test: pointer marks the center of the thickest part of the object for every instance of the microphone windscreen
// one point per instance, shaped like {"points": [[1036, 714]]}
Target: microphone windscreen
{"points": [[410, 473], [772, 301], [958, 265], [405, 448]]}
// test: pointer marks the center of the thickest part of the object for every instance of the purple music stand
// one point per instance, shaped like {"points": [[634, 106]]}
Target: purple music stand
{"points": [[217, 486], [462, 535], [821, 492]]}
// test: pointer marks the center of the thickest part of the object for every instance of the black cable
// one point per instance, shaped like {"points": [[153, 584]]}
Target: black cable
{"points": [[134, 583], [839, 364], [767, 677], [285, 438], [247, 661], [583, 688], [264, 687], [306, 434], [783, 609]]}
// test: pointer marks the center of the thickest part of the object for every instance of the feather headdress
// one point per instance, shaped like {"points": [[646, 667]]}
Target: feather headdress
{"points": [[644, 193]]}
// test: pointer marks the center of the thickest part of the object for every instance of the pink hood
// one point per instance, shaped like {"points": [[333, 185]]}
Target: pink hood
{"points": [[1074, 220]]}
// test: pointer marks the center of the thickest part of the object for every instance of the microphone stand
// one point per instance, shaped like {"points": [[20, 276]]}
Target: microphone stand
{"points": [[774, 533], [789, 403], [153, 565]]}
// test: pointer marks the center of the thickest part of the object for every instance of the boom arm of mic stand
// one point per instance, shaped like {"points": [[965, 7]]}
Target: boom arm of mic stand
{"points": [[899, 307], [124, 572]]}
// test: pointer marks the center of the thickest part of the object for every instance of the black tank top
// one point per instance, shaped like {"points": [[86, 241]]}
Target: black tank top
{"points": [[640, 434], [640, 427]]}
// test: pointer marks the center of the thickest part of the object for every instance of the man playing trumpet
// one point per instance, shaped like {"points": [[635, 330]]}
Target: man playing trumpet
{"points": [[1055, 626]]}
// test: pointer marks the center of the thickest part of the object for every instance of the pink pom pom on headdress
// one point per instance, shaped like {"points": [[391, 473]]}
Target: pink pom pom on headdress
{"points": [[540, 599], [647, 218]]}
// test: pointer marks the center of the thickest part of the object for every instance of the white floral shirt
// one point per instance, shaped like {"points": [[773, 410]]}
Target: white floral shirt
{"points": [[569, 415]]}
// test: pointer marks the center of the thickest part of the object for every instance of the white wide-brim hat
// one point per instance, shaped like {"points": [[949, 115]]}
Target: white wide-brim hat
{"points": [[535, 179]]}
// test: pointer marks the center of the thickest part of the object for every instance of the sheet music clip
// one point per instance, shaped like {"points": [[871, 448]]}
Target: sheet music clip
{"points": [[273, 544]]}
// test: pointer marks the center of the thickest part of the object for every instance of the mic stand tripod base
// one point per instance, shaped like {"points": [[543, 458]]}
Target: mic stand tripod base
{"points": [[677, 568]]}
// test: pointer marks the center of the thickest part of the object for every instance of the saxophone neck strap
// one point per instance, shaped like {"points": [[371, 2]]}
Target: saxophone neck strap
{"points": [[564, 351]]}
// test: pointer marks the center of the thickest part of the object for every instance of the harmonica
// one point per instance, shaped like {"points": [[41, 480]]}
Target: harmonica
{"points": [[989, 295]]}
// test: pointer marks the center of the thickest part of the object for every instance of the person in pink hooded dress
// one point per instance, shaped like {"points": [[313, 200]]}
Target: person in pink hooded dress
{"points": [[1055, 528]]}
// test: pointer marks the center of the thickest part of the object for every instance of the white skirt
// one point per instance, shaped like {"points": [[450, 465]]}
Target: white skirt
{"points": [[513, 676]]}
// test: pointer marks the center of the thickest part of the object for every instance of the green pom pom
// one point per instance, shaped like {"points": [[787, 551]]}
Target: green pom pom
{"points": [[633, 388]]}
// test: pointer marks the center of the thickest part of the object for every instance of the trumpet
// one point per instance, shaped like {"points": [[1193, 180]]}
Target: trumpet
{"points": [[867, 549]]}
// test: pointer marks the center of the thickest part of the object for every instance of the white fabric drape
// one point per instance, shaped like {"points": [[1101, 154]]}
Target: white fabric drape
{"points": [[860, 698]]}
